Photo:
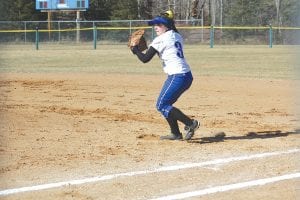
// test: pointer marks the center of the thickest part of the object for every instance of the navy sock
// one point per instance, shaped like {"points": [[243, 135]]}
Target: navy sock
{"points": [[173, 125], [175, 113]]}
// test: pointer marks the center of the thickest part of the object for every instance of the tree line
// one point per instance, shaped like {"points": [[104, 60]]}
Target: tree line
{"points": [[213, 12]]}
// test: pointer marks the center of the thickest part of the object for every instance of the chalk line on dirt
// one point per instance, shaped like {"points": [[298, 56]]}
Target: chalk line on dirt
{"points": [[136, 173], [225, 188]]}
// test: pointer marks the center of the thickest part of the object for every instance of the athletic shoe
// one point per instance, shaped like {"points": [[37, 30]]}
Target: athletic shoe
{"points": [[171, 137], [190, 130]]}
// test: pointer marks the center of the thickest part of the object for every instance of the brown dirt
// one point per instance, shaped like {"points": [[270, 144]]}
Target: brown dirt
{"points": [[58, 127]]}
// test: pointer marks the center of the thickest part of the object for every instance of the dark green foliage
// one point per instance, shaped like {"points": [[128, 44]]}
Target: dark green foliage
{"points": [[124, 9], [99, 10], [19, 10], [235, 12]]}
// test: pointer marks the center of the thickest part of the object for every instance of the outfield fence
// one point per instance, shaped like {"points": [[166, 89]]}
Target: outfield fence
{"points": [[116, 32]]}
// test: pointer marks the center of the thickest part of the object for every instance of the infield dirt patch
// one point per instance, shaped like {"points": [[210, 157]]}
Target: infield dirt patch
{"points": [[70, 112], [58, 126]]}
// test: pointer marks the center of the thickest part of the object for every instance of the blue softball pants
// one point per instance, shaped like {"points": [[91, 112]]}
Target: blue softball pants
{"points": [[172, 89]]}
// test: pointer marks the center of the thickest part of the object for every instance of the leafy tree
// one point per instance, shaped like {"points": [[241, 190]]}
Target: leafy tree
{"points": [[290, 12], [235, 12], [19, 10], [99, 10], [3, 10], [124, 9], [246, 12]]}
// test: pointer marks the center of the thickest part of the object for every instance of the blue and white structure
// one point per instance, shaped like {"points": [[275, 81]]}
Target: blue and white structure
{"points": [[62, 4]]}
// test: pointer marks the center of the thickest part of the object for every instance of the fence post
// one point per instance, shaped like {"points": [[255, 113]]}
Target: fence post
{"points": [[59, 36], [95, 36], [270, 36], [130, 27], [37, 38], [25, 33], [212, 36]]}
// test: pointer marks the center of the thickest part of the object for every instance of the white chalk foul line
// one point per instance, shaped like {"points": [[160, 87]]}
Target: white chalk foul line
{"points": [[135, 173], [225, 188]]}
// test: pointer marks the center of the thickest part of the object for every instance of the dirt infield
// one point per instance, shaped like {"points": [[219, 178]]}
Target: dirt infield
{"points": [[59, 126], [77, 123]]}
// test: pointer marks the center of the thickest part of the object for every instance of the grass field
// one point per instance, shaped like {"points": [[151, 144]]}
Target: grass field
{"points": [[78, 123], [241, 61]]}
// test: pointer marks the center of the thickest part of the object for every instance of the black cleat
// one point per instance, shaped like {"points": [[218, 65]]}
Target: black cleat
{"points": [[190, 130], [171, 137]]}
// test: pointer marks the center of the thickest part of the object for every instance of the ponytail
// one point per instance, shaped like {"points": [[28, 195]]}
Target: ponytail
{"points": [[173, 27], [169, 16]]}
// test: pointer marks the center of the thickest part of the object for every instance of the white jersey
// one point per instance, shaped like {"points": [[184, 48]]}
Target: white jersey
{"points": [[170, 50]]}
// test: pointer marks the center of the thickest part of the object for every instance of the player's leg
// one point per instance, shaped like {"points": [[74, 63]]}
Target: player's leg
{"points": [[174, 86], [163, 105], [191, 125], [175, 132], [172, 89]]}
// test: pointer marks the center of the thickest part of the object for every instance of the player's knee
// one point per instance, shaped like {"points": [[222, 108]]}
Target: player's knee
{"points": [[164, 109], [159, 107]]}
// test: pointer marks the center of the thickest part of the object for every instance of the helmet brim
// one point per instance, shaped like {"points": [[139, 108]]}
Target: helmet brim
{"points": [[158, 20]]}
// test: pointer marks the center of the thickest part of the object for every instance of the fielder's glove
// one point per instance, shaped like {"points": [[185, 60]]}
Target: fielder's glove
{"points": [[137, 39]]}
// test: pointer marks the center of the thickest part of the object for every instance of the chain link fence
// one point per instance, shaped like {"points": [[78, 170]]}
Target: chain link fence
{"points": [[116, 32]]}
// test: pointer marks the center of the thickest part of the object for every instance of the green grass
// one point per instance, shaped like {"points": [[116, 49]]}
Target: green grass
{"points": [[243, 61]]}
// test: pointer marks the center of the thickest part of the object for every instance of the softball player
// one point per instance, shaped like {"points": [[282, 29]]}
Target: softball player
{"points": [[169, 46]]}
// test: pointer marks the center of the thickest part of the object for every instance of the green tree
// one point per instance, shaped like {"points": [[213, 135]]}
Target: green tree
{"points": [[99, 10], [3, 10], [124, 9], [248, 12], [19, 10], [290, 13], [261, 12]]}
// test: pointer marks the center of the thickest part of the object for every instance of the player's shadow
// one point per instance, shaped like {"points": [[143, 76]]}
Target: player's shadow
{"points": [[221, 137]]}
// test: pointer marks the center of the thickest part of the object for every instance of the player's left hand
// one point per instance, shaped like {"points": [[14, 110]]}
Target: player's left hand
{"points": [[137, 39]]}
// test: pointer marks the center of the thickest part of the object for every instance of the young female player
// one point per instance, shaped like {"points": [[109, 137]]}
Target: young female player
{"points": [[169, 46]]}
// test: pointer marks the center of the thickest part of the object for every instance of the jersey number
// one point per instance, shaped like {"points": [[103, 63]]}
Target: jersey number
{"points": [[179, 49]]}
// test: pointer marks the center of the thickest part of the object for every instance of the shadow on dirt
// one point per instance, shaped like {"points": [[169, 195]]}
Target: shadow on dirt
{"points": [[221, 137]]}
